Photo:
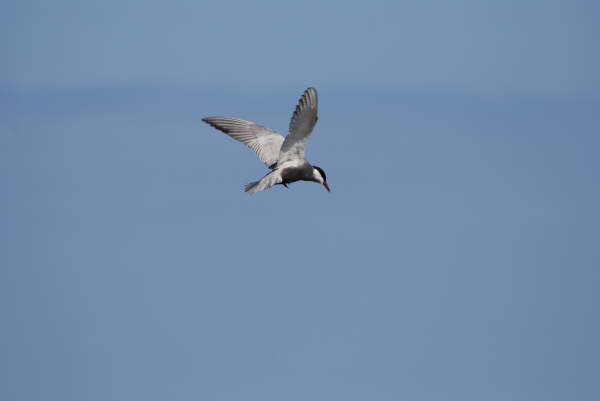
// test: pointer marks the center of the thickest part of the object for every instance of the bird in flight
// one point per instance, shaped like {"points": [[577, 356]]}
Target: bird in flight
{"points": [[283, 156]]}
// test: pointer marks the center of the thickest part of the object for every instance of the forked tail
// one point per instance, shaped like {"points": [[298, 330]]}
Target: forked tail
{"points": [[250, 186], [273, 178]]}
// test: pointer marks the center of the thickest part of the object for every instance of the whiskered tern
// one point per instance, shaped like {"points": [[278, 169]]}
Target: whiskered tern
{"points": [[285, 157]]}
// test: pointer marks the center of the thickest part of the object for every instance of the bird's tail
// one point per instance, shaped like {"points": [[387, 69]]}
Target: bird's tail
{"points": [[273, 178], [250, 187]]}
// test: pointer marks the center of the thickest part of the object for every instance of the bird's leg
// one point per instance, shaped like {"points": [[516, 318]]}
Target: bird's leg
{"points": [[285, 185]]}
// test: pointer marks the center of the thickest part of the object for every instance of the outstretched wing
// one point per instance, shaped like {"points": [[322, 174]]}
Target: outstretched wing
{"points": [[263, 141], [301, 125]]}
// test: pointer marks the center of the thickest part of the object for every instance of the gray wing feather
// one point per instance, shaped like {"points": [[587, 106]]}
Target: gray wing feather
{"points": [[301, 125], [263, 141]]}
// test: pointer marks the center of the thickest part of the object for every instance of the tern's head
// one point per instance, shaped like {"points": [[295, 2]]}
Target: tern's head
{"points": [[320, 177]]}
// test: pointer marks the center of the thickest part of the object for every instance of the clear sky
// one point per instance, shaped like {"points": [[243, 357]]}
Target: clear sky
{"points": [[456, 258]]}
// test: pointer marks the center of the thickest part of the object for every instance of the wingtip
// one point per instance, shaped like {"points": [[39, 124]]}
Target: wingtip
{"points": [[311, 91], [311, 95], [211, 120]]}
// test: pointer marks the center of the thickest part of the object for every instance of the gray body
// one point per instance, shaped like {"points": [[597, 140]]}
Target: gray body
{"points": [[303, 172]]}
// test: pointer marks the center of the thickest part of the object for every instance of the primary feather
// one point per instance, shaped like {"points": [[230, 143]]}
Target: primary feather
{"points": [[301, 125], [263, 141]]}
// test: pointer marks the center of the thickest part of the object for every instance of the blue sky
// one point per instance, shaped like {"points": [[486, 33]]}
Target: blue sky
{"points": [[544, 47], [455, 258]]}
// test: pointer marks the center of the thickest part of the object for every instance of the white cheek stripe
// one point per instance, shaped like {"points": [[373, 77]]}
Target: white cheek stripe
{"points": [[317, 175]]}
